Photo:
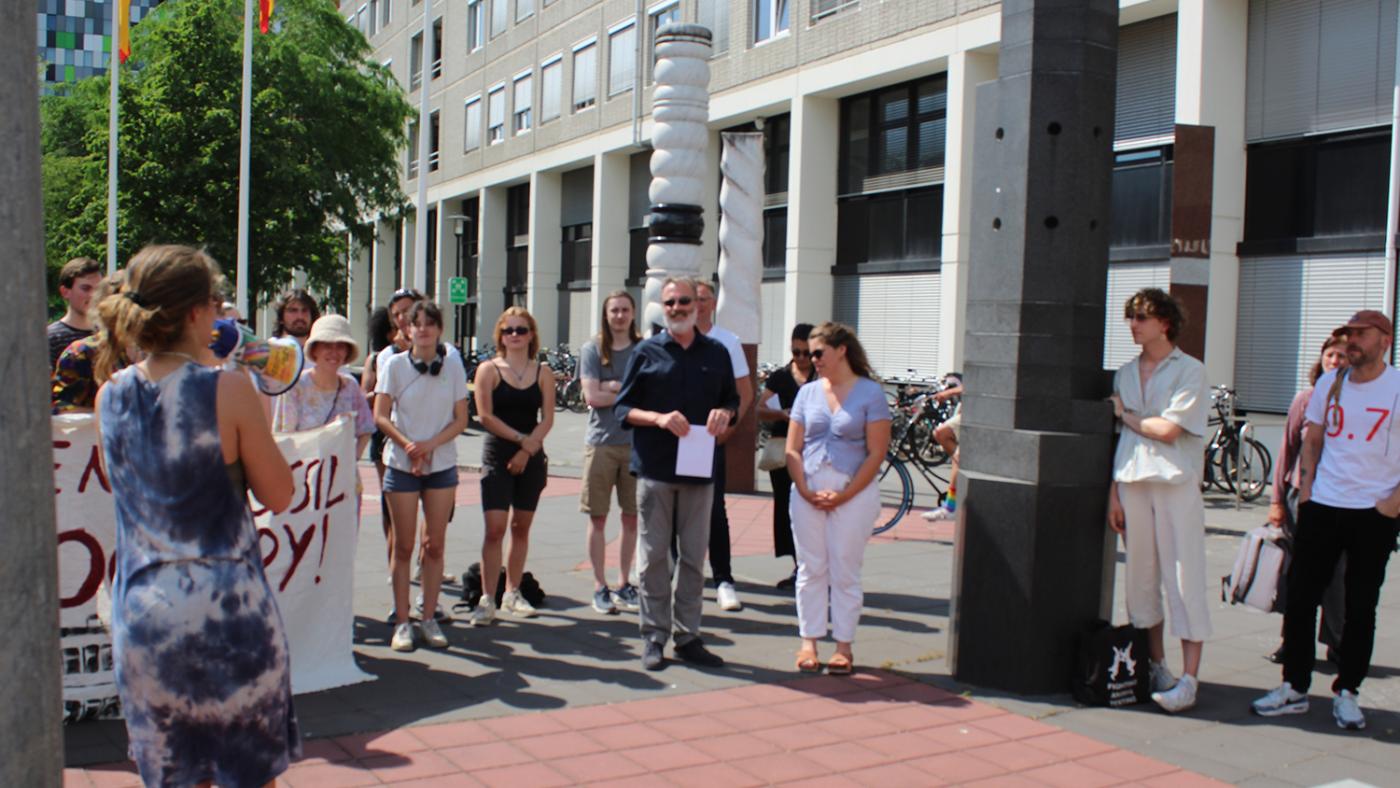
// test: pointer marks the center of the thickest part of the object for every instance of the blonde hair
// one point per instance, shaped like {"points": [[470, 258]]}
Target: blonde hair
{"points": [[149, 309], [521, 312]]}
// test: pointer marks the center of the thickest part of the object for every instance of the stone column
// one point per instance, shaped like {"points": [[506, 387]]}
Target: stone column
{"points": [[358, 289], [545, 257], [31, 696], [680, 109], [1034, 555], [384, 283], [446, 256], [741, 280], [966, 70], [610, 240], [491, 262], [811, 236], [709, 238], [1212, 42]]}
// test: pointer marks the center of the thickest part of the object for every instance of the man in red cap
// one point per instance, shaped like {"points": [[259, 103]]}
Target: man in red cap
{"points": [[1349, 472]]}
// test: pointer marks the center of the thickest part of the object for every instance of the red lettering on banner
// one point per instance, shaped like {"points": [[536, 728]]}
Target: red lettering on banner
{"points": [[88, 589], [268, 557], [335, 465], [305, 487], [56, 446], [94, 464], [325, 537], [299, 547]]}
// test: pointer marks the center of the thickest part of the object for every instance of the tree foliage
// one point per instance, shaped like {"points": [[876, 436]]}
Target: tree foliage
{"points": [[328, 123]]}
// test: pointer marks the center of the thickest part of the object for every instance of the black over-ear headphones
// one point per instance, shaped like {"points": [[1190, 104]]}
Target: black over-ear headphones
{"points": [[425, 368]]}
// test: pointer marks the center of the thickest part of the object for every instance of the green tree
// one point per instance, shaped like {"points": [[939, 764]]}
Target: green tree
{"points": [[328, 123]]}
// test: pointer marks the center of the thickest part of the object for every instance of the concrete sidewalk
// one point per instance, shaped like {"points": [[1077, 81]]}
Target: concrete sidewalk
{"points": [[581, 670]]}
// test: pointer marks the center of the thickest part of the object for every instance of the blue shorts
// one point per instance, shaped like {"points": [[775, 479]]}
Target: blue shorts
{"points": [[397, 481]]}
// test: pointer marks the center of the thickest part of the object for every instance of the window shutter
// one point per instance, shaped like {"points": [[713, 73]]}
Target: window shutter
{"points": [[1146, 105], [1124, 279]]}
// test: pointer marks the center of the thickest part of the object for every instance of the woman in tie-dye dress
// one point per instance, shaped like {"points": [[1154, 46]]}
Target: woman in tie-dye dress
{"points": [[202, 665]]}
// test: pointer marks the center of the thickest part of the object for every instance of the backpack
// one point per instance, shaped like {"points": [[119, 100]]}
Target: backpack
{"points": [[471, 588], [1260, 565]]}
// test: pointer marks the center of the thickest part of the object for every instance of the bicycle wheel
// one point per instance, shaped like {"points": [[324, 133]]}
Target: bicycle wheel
{"points": [[1250, 474], [896, 493], [573, 396]]}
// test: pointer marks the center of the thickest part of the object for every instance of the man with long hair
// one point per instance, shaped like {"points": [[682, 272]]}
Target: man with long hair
{"points": [[296, 311]]}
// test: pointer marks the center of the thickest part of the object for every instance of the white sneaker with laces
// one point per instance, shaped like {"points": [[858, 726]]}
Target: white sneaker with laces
{"points": [[432, 633], [1281, 700], [728, 597], [484, 613], [516, 605], [940, 514], [403, 637], [1180, 697], [1346, 710], [1161, 677]]}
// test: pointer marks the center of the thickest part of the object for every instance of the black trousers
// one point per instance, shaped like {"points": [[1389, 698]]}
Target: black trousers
{"points": [[1326, 533], [721, 570], [782, 519]]}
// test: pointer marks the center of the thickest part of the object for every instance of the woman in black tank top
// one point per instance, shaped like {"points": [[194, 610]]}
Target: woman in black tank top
{"points": [[515, 403]]}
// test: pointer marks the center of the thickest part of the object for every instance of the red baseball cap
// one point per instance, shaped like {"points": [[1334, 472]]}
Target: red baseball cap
{"points": [[1369, 318]]}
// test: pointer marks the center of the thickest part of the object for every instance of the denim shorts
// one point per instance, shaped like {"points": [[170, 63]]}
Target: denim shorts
{"points": [[397, 481]]}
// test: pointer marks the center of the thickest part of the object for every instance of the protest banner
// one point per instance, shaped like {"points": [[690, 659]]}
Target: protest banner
{"points": [[308, 555]]}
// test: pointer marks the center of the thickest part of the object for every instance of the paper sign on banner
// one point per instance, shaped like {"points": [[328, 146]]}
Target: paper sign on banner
{"points": [[308, 556]]}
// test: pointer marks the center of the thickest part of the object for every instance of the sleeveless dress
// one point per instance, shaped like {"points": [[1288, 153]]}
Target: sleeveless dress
{"points": [[201, 659]]}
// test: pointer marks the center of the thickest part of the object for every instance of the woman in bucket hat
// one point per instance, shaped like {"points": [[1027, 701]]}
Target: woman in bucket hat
{"points": [[325, 391]]}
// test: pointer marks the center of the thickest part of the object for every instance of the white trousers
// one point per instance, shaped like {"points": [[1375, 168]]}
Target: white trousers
{"points": [[830, 551], [1166, 546]]}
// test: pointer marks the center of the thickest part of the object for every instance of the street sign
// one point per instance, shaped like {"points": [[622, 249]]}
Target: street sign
{"points": [[457, 290]]}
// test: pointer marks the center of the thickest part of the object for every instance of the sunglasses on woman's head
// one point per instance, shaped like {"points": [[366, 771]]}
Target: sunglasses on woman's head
{"points": [[518, 331], [682, 300]]}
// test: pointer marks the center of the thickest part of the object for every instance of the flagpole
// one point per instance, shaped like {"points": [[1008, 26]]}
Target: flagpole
{"points": [[114, 68], [420, 221], [244, 155]]}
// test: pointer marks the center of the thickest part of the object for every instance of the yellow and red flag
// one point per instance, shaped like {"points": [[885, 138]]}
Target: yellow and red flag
{"points": [[123, 29], [265, 13]]}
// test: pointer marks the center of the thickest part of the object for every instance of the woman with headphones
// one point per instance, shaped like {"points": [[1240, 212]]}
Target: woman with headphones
{"points": [[421, 406], [515, 402]]}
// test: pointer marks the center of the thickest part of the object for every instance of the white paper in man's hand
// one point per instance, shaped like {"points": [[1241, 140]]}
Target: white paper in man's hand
{"points": [[773, 403], [695, 453]]}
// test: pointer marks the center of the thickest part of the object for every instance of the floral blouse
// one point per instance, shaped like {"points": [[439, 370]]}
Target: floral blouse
{"points": [[306, 407]]}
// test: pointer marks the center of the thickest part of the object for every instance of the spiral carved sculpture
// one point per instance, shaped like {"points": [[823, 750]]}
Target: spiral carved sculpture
{"points": [[741, 235], [680, 109]]}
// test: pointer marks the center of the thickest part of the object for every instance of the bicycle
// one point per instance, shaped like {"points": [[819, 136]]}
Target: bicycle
{"points": [[1233, 458]]}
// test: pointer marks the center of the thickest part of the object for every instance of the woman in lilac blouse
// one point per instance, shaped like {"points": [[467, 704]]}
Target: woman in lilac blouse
{"points": [[324, 392]]}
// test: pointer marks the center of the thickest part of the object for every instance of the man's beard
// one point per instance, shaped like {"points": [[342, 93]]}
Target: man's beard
{"points": [[299, 329], [683, 325]]}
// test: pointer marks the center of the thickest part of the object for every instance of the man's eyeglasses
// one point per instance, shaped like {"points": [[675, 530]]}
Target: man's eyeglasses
{"points": [[801, 353], [682, 300], [518, 331]]}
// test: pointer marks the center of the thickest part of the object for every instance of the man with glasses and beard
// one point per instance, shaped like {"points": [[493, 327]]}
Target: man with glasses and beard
{"points": [[677, 381], [296, 311], [1348, 502]]}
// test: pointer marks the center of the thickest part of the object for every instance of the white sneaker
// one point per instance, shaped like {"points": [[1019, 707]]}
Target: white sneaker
{"points": [[728, 597], [432, 633], [1161, 677], [1281, 700], [1178, 698], [940, 514], [484, 613], [403, 637], [1346, 710], [438, 613], [516, 605]]}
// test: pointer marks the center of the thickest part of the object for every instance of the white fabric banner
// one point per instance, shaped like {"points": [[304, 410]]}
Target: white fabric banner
{"points": [[308, 555]]}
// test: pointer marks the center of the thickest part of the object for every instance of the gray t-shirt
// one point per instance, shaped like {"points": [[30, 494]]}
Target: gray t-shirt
{"points": [[603, 426]]}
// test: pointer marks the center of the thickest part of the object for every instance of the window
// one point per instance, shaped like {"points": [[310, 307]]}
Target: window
{"points": [[777, 133], [585, 75], [714, 14], [360, 23], [517, 242], [437, 48], [1317, 187], [770, 19], [496, 115], [433, 136], [888, 229], [385, 10], [499, 16], [524, 9], [622, 58], [894, 137], [655, 20], [412, 168], [825, 8], [1141, 198], [415, 61], [551, 87], [373, 16], [473, 124], [576, 263], [524, 91], [476, 25]]}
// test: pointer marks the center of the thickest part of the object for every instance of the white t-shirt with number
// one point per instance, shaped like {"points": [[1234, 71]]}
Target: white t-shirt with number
{"points": [[1360, 461]]}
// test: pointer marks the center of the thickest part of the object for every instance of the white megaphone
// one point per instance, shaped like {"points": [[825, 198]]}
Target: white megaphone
{"points": [[276, 363]]}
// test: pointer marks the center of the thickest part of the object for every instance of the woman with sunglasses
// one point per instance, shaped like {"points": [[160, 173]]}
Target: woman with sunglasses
{"points": [[515, 404], [421, 405], [838, 433], [784, 383]]}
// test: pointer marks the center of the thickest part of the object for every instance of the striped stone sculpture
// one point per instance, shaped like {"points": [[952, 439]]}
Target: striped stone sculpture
{"points": [[741, 235]]}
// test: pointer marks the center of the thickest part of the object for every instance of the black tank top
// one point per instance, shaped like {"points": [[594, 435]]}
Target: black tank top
{"points": [[518, 408]]}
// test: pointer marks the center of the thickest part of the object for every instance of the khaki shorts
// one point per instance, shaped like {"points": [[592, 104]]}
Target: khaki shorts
{"points": [[605, 467], [954, 423]]}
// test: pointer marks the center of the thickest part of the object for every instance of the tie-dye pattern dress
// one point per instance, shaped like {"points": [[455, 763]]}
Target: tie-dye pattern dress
{"points": [[201, 657]]}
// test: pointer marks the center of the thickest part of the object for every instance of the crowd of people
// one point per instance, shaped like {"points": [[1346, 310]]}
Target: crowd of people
{"points": [[184, 443]]}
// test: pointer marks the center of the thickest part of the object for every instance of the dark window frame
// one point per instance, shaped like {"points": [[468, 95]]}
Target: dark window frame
{"points": [[868, 105]]}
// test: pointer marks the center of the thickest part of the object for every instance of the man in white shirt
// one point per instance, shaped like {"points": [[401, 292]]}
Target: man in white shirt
{"points": [[721, 568], [1348, 502]]}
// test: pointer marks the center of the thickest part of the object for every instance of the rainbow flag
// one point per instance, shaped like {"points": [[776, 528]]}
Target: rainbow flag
{"points": [[123, 29], [265, 13]]}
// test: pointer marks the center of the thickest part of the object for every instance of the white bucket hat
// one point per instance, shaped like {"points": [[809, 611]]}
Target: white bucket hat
{"points": [[332, 328]]}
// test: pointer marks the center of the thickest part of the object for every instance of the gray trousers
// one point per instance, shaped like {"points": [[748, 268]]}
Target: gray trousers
{"points": [[683, 510]]}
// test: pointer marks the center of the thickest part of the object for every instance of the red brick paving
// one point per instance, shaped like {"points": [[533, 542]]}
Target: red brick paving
{"points": [[874, 729]]}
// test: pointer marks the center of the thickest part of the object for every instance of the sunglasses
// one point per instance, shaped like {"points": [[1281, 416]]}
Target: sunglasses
{"points": [[682, 300], [1141, 317], [801, 353], [816, 354], [518, 331]]}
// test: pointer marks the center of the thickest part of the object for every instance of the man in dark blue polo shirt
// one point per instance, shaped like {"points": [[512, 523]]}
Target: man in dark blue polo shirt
{"points": [[676, 381]]}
